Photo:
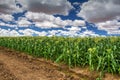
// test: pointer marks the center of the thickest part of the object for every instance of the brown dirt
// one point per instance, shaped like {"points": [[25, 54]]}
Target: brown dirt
{"points": [[19, 66]]}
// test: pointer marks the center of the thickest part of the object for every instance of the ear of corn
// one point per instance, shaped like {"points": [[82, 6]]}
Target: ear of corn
{"points": [[101, 54]]}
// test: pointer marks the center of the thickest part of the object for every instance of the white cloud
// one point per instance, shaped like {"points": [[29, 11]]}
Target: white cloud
{"points": [[14, 33], [112, 27], [8, 25], [74, 33], [47, 21], [69, 32], [25, 32], [77, 3], [104, 13], [74, 29], [66, 33], [6, 17], [53, 32], [100, 10], [4, 32], [30, 32], [23, 22], [45, 24], [41, 13], [77, 23], [88, 33]]}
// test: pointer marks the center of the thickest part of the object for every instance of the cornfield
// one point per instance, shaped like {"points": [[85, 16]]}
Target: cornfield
{"points": [[99, 54]]}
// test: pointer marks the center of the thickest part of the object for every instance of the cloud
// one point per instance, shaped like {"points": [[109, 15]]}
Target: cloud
{"points": [[43, 20], [30, 32], [46, 24], [6, 6], [89, 33], [72, 32], [77, 3], [45, 6], [77, 23], [25, 32], [39, 11], [6, 17], [9, 7], [74, 29], [41, 14], [112, 27], [23, 22], [2, 24], [4, 32], [100, 10]]}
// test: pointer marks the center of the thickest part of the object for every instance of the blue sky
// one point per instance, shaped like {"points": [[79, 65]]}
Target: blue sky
{"points": [[60, 18]]}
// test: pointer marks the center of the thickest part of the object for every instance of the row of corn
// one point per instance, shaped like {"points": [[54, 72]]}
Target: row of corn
{"points": [[100, 53]]}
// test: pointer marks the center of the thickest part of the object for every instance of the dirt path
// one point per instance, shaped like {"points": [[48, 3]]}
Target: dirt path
{"points": [[18, 66]]}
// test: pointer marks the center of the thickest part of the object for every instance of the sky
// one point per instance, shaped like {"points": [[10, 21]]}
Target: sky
{"points": [[60, 18]]}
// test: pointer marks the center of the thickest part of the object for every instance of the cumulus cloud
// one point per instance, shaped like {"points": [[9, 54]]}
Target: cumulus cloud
{"points": [[77, 3], [77, 23], [104, 13], [47, 21], [112, 27], [72, 32], [39, 11], [46, 24], [23, 22], [6, 17], [42, 12], [100, 10], [25, 32], [89, 33], [30, 32], [43, 20], [7, 24], [4, 32]]}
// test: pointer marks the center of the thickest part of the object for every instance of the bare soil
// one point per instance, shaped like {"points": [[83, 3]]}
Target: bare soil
{"points": [[15, 65]]}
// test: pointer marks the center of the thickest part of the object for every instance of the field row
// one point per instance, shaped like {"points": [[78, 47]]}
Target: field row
{"points": [[100, 54]]}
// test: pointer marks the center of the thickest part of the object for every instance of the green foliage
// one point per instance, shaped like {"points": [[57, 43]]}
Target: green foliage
{"points": [[100, 53]]}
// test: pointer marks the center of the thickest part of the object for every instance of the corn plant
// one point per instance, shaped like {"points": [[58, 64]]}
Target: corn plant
{"points": [[100, 53]]}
